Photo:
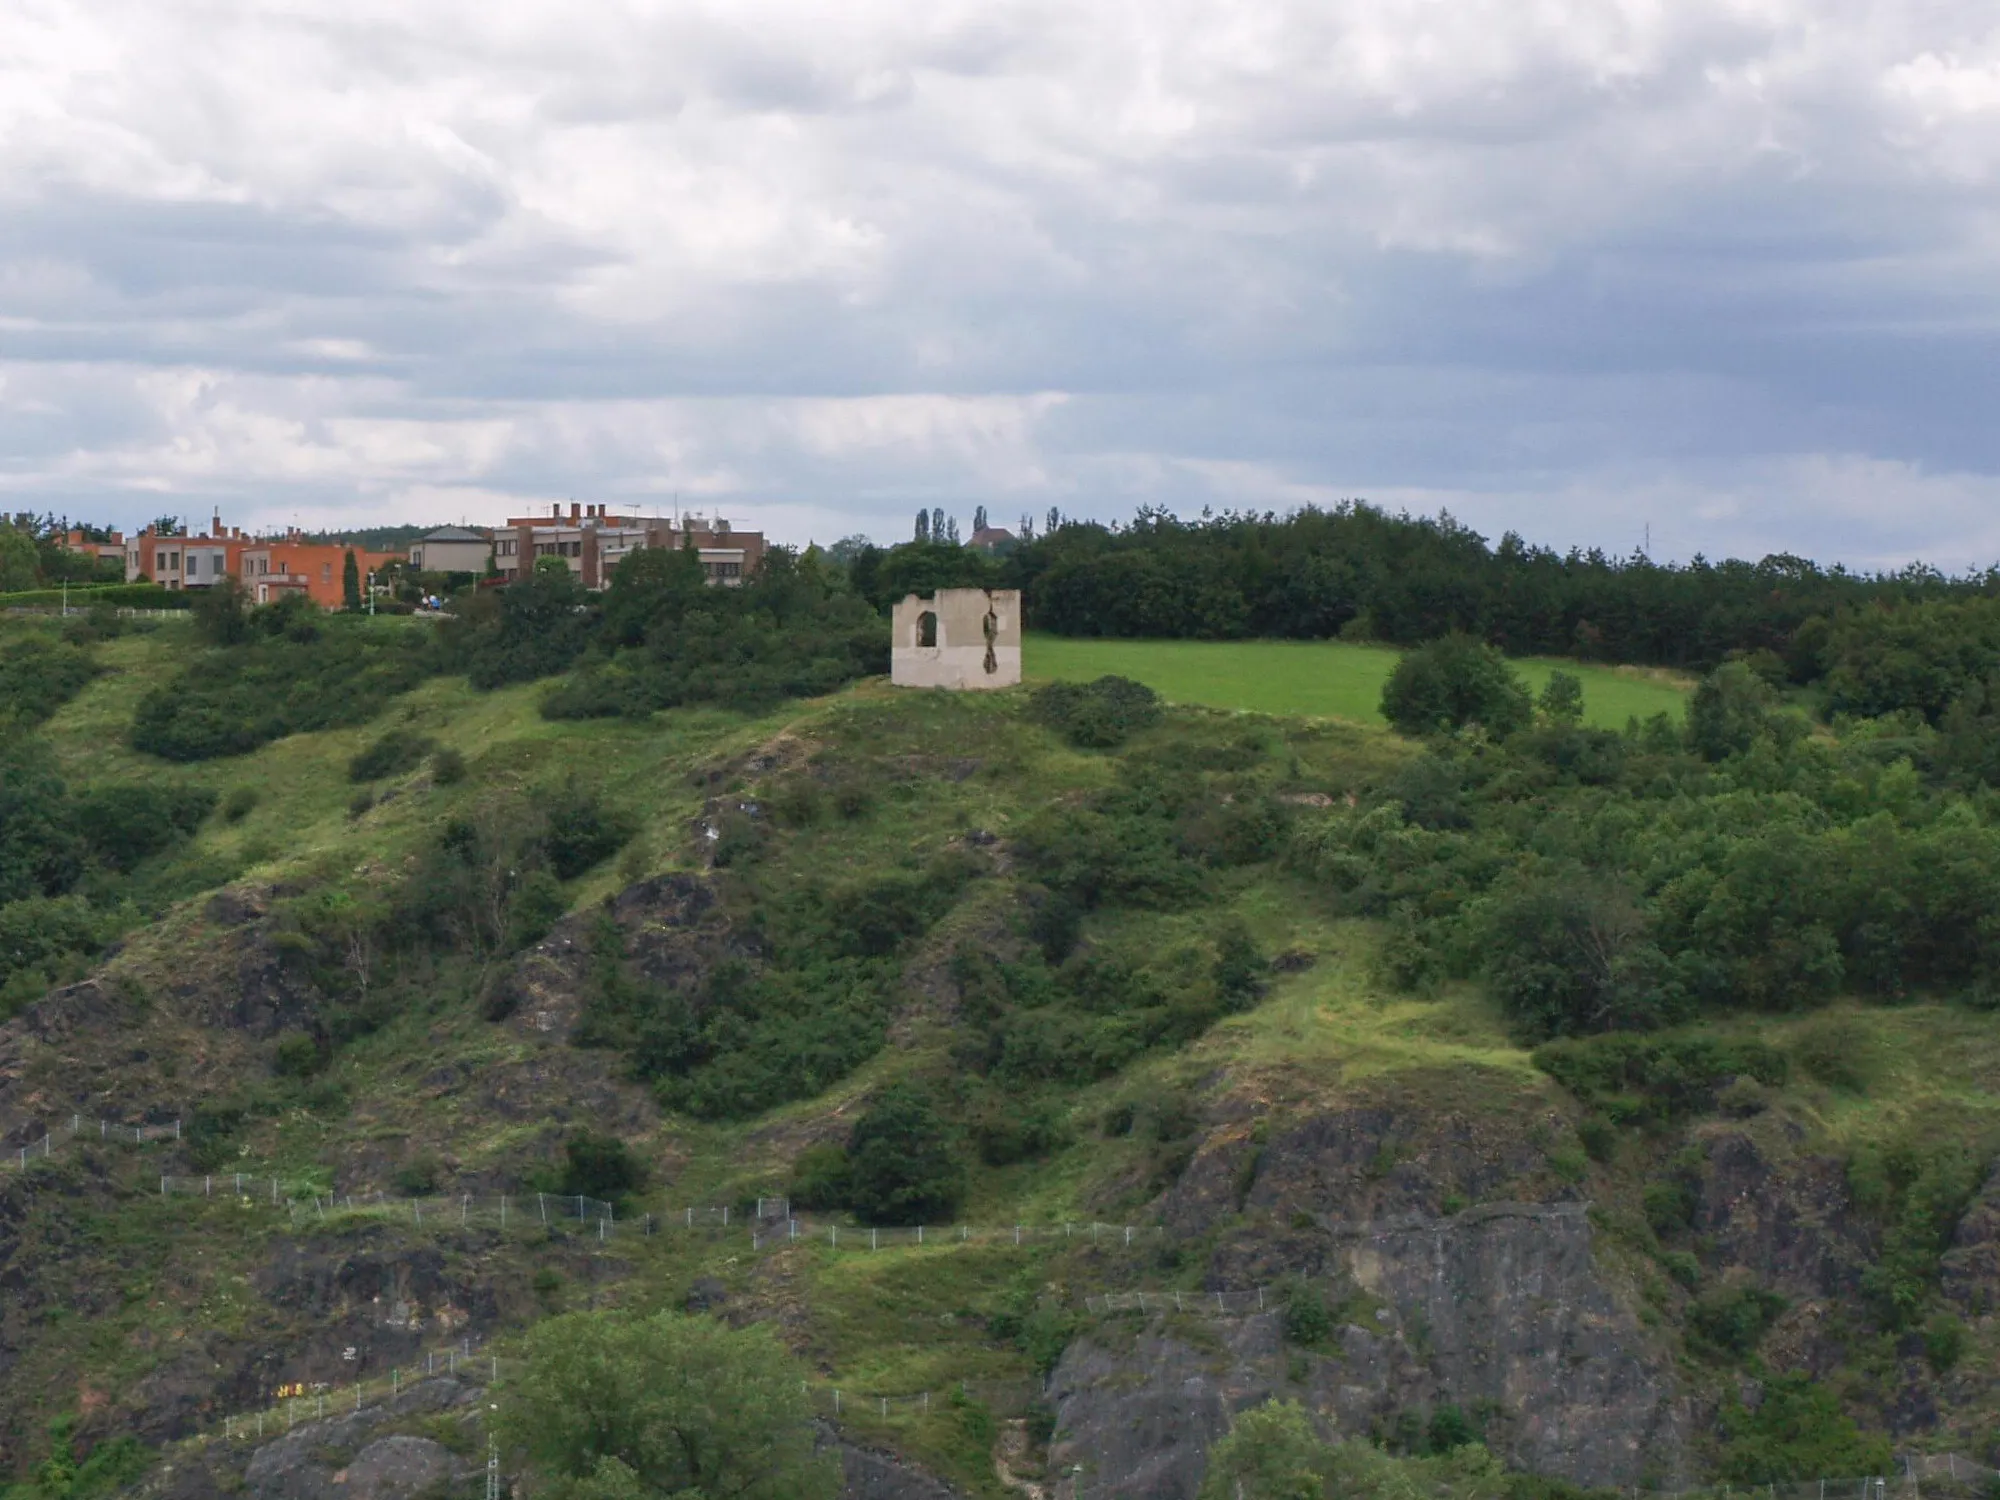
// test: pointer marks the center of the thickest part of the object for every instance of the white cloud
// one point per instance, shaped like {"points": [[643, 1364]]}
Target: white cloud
{"points": [[1574, 260]]}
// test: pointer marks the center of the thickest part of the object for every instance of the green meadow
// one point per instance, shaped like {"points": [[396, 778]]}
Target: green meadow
{"points": [[1319, 679]]}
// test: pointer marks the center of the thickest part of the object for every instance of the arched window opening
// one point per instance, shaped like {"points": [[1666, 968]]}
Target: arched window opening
{"points": [[927, 628]]}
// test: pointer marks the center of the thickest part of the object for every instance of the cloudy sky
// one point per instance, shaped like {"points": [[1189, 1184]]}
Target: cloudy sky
{"points": [[1724, 269]]}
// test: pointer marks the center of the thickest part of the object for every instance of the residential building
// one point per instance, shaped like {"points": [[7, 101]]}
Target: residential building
{"points": [[273, 569], [186, 562], [994, 539], [452, 549], [111, 549], [593, 542]]}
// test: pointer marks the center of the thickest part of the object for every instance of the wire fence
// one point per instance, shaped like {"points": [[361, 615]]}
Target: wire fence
{"points": [[34, 1150], [1941, 1472], [768, 1223]]}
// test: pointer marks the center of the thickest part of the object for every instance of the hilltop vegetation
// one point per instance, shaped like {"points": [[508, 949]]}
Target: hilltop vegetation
{"points": [[580, 895]]}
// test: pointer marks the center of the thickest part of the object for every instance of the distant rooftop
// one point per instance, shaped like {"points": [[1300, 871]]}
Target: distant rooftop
{"points": [[454, 534]]}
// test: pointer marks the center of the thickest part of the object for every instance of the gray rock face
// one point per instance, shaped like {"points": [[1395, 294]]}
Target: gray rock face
{"points": [[1499, 1309], [868, 1475], [348, 1458]]}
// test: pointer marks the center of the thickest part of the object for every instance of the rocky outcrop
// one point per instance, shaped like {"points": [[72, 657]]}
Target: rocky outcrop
{"points": [[355, 1455], [869, 1475], [1499, 1310]]}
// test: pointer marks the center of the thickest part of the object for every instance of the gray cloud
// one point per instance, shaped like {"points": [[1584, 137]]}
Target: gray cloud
{"points": [[1572, 268]]}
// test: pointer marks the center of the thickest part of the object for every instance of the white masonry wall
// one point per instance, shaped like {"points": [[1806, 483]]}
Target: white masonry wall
{"points": [[977, 634]]}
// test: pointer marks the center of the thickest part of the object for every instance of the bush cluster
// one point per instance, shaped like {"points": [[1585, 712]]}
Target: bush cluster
{"points": [[662, 636], [291, 673], [1097, 715]]}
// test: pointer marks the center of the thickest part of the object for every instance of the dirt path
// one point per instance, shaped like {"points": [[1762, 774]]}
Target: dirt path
{"points": [[1010, 1454]]}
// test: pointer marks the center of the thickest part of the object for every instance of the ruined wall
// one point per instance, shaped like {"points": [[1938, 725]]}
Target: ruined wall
{"points": [[957, 638]]}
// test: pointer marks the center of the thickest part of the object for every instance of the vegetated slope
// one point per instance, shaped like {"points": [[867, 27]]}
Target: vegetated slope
{"points": [[1337, 679], [1137, 984]]}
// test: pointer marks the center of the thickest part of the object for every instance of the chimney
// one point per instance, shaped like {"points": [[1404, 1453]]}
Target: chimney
{"points": [[575, 511], [215, 526]]}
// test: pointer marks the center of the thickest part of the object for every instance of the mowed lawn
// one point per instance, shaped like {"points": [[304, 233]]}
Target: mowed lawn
{"points": [[1329, 679]]}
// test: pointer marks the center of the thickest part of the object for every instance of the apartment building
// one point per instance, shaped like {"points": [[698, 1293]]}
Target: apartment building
{"points": [[593, 542]]}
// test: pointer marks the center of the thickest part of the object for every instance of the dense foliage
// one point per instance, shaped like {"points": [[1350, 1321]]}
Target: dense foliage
{"points": [[38, 674], [1603, 881], [615, 1407], [662, 636], [66, 858], [1097, 715], [1362, 572], [273, 671]]}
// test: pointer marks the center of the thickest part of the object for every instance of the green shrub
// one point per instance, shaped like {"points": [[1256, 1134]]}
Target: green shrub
{"points": [[1599, 1137], [125, 824], [1657, 1079], [1735, 1319], [296, 673], [447, 767], [534, 906], [904, 1160], [1944, 1342], [419, 1176], [298, 1055], [238, 803], [1097, 715], [1010, 1129], [1669, 1205], [583, 830], [391, 754], [1308, 1320], [1454, 681], [600, 1166], [821, 1179], [38, 675], [1797, 1431]]}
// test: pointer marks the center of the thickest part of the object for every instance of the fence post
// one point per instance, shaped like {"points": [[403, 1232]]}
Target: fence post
{"points": [[177, 1130], [836, 1401], [496, 1367], [885, 1406], [1260, 1308], [543, 1201], [163, 1187], [464, 1208], [725, 1216], [395, 1379], [963, 1233], [1017, 1234], [208, 1187], [920, 1234], [1218, 1303], [600, 1230], [834, 1230], [873, 1241], [1128, 1235], [1177, 1303], [690, 1216]]}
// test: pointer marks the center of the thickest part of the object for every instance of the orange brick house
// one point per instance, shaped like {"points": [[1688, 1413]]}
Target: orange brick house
{"points": [[272, 569]]}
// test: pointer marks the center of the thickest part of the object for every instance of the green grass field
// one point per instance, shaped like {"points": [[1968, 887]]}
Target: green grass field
{"points": [[1320, 679]]}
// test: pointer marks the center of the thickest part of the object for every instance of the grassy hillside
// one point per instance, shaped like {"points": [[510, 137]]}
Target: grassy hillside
{"points": [[958, 825], [1332, 679]]}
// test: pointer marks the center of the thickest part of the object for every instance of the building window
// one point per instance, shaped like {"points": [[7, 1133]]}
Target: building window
{"points": [[326, 572], [927, 628]]}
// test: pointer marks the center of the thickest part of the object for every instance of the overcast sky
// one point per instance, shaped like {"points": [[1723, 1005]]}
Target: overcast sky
{"points": [[1727, 269]]}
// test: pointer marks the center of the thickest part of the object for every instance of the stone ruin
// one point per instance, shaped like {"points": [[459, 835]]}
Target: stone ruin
{"points": [[958, 639]]}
